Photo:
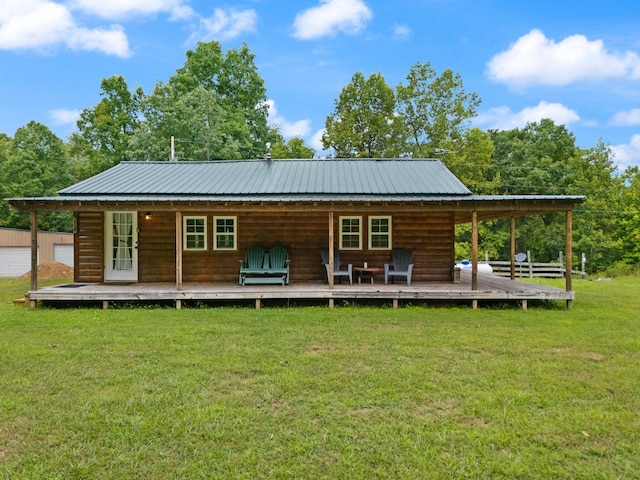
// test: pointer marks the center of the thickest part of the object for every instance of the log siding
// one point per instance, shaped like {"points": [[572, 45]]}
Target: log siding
{"points": [[430, 235]]}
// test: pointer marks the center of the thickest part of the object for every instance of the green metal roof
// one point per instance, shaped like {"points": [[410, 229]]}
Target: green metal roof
{"points": [[361, 178]]}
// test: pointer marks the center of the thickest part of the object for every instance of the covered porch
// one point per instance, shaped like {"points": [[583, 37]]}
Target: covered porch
{"points": [[489, 288]]}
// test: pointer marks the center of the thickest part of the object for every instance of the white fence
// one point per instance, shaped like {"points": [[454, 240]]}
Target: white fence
{"points": [[529, 269]]}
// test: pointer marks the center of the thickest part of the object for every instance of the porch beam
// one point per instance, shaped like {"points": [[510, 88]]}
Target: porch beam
{"points": [[179, 250], [474, 251], [34, 255], [331, 243], [487, 209], [513, 247], [569, 254]]}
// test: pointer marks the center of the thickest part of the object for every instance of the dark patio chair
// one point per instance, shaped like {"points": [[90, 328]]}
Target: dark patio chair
{"points": [[337, 266], [400, 265]]}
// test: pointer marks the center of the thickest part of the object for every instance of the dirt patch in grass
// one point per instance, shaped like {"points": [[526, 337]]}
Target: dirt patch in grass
{"points": [[593, 356], [51, 271], [319, 348]]}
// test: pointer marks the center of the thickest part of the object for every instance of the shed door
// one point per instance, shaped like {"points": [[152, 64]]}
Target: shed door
{"points": [[121, 243], [15, 261], [63, 253]]}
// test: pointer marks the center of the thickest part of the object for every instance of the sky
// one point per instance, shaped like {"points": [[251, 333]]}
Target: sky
{"points": [[576, 62]]}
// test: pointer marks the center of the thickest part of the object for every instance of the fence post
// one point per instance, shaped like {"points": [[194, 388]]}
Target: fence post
{"points": [[583, 265], [530, 264]]}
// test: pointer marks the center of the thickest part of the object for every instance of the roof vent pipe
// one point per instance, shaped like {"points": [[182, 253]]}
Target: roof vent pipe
{"points": [[173, 149], [268, 154]]}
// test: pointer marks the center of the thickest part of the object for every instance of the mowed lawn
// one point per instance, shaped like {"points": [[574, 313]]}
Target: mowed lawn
{"points": [[312, 393]]}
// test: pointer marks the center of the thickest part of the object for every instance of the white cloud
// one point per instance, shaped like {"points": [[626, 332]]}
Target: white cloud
{"points": [[316, 140], [331, 17], [121, 9], [502, 118], [225, 25], [111, 42], [401, 32], [628, 155], [301, 128], [536, 60], [63, 116], [43, 25], [626, 118]]}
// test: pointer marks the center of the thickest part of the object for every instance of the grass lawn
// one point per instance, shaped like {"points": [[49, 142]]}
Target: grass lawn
{"points": [[312, 393]]}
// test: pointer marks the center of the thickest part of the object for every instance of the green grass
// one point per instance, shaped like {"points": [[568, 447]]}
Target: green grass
{"points": [[353, 392]]}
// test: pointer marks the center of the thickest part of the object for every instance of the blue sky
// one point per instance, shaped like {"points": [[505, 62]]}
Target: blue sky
{"points": [[577, 62]]}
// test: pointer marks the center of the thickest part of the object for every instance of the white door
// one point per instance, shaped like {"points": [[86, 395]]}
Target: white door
{"points": [[63, 253], [121, 243], [15, 261]]}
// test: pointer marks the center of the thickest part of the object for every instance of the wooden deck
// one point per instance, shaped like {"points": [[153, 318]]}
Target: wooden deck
{"points": [[490, 288]]}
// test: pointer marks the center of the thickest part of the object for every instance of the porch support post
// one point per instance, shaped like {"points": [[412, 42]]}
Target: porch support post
{"points": [[331, 242], [569, 254], [34, 255], [179, 250], [474, 250], [513, 248]]}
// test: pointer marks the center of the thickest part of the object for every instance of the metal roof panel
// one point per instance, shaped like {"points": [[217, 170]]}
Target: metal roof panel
{"points": [[275, 177]]}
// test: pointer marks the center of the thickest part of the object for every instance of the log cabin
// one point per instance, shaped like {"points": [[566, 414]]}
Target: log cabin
{"points": [[191, 222]]}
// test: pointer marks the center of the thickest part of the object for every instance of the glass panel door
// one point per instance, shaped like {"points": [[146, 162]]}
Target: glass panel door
{"points": [[121, 235]]}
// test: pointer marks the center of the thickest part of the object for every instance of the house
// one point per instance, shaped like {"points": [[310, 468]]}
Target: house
{"points": [[191, 222]]}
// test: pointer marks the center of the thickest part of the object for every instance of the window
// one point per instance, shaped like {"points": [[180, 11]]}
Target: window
{"points": [[350, 233], [379, 233], [195, 233], [225, 233]]}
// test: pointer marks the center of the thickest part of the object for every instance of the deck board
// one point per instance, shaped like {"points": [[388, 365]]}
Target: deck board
{"points": [[490, 287]]}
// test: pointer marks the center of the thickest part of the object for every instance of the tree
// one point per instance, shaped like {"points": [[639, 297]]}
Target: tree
{"points": [[233, 81], [293, 148], [435, 109], [202, 129], [5, 148], [630, 218], [35, 167], [535, 159], [472, 161], [364, 123], [599, 221], [104, 131]]}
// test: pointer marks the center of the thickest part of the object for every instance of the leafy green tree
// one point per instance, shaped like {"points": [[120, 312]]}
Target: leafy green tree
{"points": [[36, 166], [104, 131], [471, 159], [535, 159], [293, 148], [5, 148], [542, 158], [233, 81], [630, 217], [202, 129], [598, 223], [436, 109], [364, 123]]}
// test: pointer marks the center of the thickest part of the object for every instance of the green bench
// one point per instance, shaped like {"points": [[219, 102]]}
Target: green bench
{"points": [[265, 267]]}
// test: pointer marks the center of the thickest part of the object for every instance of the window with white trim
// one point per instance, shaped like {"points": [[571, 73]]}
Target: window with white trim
{"points": [[380, 233], [350, 233], [195, 233], [224, 233]]}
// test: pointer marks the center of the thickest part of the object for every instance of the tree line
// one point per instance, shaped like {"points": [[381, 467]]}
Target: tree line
{"points": [[215, 106]]}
